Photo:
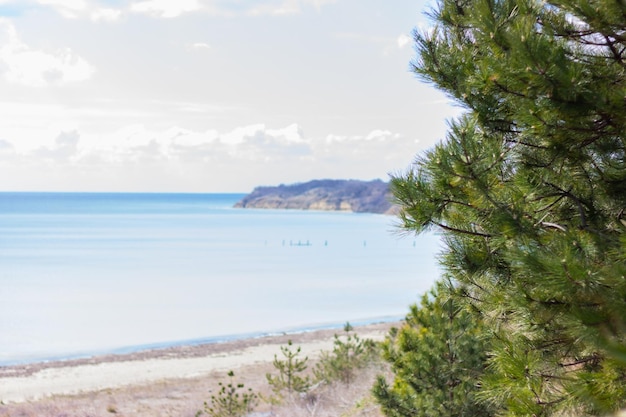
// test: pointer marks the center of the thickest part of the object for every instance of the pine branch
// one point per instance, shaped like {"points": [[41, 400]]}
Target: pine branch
{"points": [[593, 358], [461, 231]]}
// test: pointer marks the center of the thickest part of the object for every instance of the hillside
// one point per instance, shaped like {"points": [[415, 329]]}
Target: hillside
{"points": [[335, 195]]}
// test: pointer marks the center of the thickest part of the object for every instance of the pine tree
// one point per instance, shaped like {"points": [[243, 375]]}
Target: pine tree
{"points": [[290, 371], [437, 357], [350, 353], [529, 192], [232, 400]]}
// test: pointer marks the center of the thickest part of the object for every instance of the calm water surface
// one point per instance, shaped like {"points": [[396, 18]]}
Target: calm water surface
{"points": [[85, 273]]}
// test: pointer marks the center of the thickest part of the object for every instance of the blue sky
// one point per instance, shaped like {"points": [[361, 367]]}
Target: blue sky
{"points": [[209, 96]]}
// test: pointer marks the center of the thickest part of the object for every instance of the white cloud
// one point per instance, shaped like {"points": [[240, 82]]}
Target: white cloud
{"points": [[377, 149], [65, 147], [380, 135], [128, 137], [319, 3], [286, 7], [290, 134], [253, 142], [21, 64], [200, 46], [260, 143], [74, 9], [106, 15], [136, 158], [240, 134], [70, 9], [403, 40], [68, 139], [67, 4], [184, 138], [166, 8]]}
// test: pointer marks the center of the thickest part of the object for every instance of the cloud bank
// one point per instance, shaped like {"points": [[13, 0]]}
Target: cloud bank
{"points": [[24, 65], [156, 95], [167, 9], [179, 159]]}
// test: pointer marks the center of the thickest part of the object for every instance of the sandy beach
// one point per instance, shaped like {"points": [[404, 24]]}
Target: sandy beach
{"points": [[170, 378]]}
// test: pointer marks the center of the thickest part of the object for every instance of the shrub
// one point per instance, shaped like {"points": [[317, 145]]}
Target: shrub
{"points": [[349, 354], [289, 372], [231, 400]]}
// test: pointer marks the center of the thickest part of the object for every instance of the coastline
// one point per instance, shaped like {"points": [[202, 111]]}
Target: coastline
{"points": [[34, 361], [38, 381]]}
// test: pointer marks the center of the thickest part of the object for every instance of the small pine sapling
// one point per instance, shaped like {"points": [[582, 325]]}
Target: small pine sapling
{"points": [[289, 376], [230, 401], [349, 354]]}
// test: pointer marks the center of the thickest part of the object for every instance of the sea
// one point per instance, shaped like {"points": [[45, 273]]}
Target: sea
{"points": [[83, 274]]}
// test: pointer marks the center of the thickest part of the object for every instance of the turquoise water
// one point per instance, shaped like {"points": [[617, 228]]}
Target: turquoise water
{"points": [[84, 273]]}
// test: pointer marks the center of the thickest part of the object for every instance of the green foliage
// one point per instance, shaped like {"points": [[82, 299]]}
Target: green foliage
{"points": [[349, 354], [529, 192], [289, 372], [437, 357], [231, 400]]}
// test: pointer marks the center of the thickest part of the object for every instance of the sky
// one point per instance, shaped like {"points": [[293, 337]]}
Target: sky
{"points": [[210, 95]]}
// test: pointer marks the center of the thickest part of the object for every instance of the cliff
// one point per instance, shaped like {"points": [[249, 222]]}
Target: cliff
{"points": [[342, 195]]}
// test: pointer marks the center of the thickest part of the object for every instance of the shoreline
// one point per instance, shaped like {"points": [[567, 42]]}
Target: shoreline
{"points": [[36, 360], [38, 381]]}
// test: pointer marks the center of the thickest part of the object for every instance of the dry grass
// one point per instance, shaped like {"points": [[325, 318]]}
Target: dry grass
{"points": [[185, 397], [337, 399]]}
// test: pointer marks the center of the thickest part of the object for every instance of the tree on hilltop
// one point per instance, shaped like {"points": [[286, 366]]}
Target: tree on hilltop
{"points": [[529, 192]]}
